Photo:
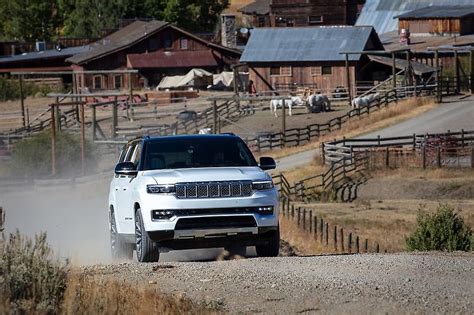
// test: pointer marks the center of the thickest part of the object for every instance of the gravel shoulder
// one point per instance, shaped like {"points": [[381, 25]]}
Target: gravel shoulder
{"points": [[369, 283]]}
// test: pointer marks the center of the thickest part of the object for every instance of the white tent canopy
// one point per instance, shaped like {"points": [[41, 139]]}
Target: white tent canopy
{"points": [[195, 77]]}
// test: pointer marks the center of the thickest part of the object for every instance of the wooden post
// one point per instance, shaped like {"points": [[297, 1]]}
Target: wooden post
{"points": [[327, 234], [377, 248], [357, 245], [462, 138], [335, 238], [83, 140], [349, 243], [53, 141], [283, 122], [472, 158], [394, 71], [438, 156], [323, 154], [299, 215], [27, 119], [439, 97], [423, 151], [94, 123], [341, 238], [304, 219], [292, 211], [387, 160], [315, 227], [366, 246], [310, 221], [321, 230], [214, 116], [58, 118], [471, 70], [456, 72], [22, 101], [114, 118], [348, 81]]}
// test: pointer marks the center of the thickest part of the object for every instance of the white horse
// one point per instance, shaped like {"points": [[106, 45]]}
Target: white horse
{"points": [[205, 131], [293, 101], [318, 103], [373, 97], [364, 101]]}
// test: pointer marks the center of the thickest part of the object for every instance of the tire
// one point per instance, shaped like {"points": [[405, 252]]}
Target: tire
{"points": [[119, 249], [272, 248], [147, 250]]}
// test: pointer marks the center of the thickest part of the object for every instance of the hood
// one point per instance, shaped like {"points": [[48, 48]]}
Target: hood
{"points": [[207, 174]]}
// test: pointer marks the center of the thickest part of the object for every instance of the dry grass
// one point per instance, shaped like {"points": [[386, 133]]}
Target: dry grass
{"points": [[94, 294], [301, 241], [383, 118], [437, 173]]}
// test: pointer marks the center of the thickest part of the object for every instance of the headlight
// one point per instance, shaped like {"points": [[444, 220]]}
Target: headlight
{"points": [[262, 185], [160, 189]]}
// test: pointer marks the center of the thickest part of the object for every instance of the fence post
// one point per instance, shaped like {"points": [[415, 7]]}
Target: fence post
{"points": [[349, 243], [366, 246], [357, 245], [315, 227], [462, 138], [387, 160], [321, 230], [472, 157], [283, 122], [335, 238], [424, 157], [377, 248], [323, 153], [414, 141], [304, 219], [310, 221], [94, 123], [299, 215], [327, 234], [214, 117], [292, 211], [341, 237], [438, 156]]}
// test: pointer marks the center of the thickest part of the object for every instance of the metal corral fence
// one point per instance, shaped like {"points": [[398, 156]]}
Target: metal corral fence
{"points": [[450, 149]]}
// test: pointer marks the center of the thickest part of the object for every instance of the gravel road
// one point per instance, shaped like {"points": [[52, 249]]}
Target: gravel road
{"points": [[455, 114], [370, 283]]}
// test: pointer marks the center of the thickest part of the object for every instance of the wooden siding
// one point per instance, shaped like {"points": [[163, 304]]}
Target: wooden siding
{"points": [[301, 75], [457, 26], [298, 12]]}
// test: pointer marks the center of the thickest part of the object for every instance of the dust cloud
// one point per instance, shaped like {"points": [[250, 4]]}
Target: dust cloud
{"points": [[76, 221]]}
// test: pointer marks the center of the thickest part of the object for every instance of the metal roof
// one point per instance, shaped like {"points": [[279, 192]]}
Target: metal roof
{"points": [[380, 13], [439, 11], [307, 43], [119, 40], [45, 54], [172, 59], [418, 67], [260, 7]]}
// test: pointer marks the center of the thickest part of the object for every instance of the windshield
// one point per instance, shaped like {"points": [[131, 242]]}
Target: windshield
{"points": [[196, 152]]}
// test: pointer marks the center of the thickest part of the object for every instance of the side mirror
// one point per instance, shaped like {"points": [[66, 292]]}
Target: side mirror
{"points": [[267, 163], [126, 168]]}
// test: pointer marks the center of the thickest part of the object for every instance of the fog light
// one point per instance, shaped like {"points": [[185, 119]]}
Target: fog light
{"points": [[162, 214], [265, 210]]}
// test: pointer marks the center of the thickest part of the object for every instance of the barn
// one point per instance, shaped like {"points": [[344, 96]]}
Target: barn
{"points": [[439, 20], [155, 49], [283, 58]]}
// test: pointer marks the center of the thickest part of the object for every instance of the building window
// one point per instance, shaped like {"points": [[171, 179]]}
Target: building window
{"points": [[315, 19], [261, 21], [97, 82], [183, 43], [316, 71], [281, 71], [167, 41], [153, 44], [326, 70], [118, 82]]}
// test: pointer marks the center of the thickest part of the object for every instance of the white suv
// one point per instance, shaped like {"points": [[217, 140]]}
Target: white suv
{"points": [[192, 191]]}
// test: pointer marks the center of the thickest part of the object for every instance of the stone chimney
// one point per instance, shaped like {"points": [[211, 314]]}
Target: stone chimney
{"points": [[228, 35]]}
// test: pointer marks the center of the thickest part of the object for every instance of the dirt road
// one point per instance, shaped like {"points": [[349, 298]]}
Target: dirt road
{"points": [[396, 283], [455, 114]]}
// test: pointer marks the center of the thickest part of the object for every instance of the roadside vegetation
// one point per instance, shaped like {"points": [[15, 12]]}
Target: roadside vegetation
{"points": [[31, 157], [10, 89], [443, 230]]}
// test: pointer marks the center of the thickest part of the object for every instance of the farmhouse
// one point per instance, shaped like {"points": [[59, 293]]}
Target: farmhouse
{"points": [[154, 48], [439, 20], [284, 13], [282, 58]]}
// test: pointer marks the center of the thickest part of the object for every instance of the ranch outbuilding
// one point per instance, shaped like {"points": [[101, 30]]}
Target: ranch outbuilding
{"points": [[284, 58]]}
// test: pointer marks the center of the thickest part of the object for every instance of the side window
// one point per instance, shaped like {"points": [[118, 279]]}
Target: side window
{"points": [[137, 154], [130, 151], [123, 153]]}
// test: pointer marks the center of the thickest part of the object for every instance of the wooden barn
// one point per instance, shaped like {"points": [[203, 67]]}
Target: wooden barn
{"points": [[285, 13], [439, 20], [283, 58], [153, 48]]}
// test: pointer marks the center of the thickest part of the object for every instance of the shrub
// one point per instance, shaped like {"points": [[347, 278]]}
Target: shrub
{"points": [[10, 89], [444, 230], [32, 157], [32, 281]]}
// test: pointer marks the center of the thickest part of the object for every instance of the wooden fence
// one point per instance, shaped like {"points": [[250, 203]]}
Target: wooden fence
{"points": [[332, 237]]}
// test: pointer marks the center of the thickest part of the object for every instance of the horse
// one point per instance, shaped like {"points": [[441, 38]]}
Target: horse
{"points": [[318, 103], [293, 101], [373, 97], [361, 101]]}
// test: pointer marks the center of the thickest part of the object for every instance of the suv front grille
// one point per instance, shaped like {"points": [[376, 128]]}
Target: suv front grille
{"points": [[214, 189]]}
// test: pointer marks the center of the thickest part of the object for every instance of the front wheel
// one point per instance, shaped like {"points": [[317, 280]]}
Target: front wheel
{"points": [[147, 250], [118, 248], [272, 248]]}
